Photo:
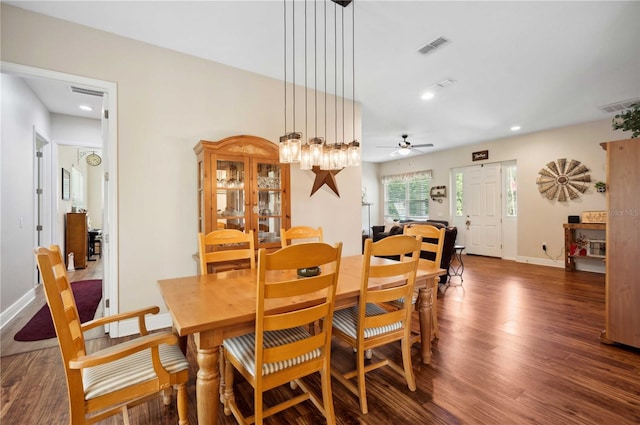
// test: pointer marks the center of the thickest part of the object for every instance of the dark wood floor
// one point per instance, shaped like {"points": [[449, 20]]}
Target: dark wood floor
{"points": [[519, 344]]}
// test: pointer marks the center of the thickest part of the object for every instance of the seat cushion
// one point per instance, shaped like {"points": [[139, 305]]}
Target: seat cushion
{"points": [[243, 349], [346, 320], [133, 369]]}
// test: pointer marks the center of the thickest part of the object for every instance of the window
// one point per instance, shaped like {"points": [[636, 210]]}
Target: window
{"points": [[406, 196], [512, 190], [459, 179]]}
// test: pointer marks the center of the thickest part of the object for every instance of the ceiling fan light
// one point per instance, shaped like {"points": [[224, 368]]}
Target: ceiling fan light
{"points": [[404, 151]]}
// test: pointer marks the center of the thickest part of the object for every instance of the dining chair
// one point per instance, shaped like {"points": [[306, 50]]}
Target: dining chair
{"points": [[300, 233], [226, 249], [109, 381], [282, 350], [375, 322], [431, 253]]}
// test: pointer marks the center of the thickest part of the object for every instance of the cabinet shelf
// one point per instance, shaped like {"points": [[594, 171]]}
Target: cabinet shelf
{"points": [[570, 239]]}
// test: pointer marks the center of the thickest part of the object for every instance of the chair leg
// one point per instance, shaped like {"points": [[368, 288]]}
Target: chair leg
{"points": [[406, 362], [183, 405], [362, 390], [228, 397], [327, 397], [434, 309]]}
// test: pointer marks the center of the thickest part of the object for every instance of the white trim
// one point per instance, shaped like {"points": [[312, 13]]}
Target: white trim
{"points": [[110, 257], [10, 313]]}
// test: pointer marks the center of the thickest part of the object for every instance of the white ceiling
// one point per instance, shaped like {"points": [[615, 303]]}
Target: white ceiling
{"points": [[538, 65]]}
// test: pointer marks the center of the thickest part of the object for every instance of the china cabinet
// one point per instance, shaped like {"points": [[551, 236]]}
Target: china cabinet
{"points": [[241, 185], [76, 239], [623, 250]]}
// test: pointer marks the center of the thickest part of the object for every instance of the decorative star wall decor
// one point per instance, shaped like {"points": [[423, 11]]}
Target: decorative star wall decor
{"points": [[323, 177]]}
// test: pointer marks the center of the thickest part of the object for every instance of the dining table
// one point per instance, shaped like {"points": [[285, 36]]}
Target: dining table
{"points": [[221, 305]]}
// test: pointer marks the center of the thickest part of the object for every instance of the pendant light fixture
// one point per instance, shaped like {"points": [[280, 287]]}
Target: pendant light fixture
{"points": [[317, 151]]}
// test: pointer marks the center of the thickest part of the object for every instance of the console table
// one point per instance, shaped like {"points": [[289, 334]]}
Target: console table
{"points": [[570, 238]]}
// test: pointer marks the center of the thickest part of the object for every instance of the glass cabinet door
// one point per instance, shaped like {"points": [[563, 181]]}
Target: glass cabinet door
{"points": [[230, 194], [269, 202]]}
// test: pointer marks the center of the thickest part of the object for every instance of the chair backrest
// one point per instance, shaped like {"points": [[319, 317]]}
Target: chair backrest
{"points": [[300, 232], [278, 283], [64, 312], [402, 272], [226, 246], [432, 241]]}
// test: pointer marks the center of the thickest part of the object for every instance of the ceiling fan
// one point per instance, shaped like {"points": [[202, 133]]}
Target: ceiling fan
{"points": [[405, 147]]}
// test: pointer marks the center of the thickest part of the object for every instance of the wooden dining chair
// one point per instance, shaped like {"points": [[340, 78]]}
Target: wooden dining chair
{"points": [[300, 233], [226, 249], [109, 381], [374, 321], [282, 350], [431, 253]]}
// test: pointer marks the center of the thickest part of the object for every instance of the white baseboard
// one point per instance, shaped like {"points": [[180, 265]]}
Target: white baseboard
{"points": [[585, 264], [130, 326], [541, 261], [13, 310]]}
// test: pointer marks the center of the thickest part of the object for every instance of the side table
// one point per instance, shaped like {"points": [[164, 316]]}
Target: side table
{"points": [[456, 267]]}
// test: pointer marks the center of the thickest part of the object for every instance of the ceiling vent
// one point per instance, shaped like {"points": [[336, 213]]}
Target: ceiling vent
{"points": [[82, 90], [619, 106], [438, 42]]}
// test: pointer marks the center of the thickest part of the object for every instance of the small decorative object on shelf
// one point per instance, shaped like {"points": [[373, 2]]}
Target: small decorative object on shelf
{"points": [[309, 271], [601, 186], [594, 216]]}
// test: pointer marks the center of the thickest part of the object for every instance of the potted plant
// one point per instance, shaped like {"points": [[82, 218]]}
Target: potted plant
{"points": [[629, 120], [601, 186]]}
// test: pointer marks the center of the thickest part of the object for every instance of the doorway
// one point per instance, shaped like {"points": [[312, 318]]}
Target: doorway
{"points": [[52, 180], [484, 208]]}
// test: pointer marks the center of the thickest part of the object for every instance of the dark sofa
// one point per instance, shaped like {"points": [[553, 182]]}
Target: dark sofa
{"points": [[449, 239]]}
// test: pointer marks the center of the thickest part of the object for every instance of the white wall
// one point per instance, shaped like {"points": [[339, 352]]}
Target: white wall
{"points": [[539, 219], [21, 112], [167, 102]]}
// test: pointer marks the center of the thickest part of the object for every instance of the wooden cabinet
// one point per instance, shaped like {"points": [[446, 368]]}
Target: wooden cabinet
{"points": [[242, 185], [623, 243], [570, 235], [76, 239]]}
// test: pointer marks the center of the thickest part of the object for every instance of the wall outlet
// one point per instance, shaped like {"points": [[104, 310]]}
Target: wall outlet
{"points": [[544, 246]]}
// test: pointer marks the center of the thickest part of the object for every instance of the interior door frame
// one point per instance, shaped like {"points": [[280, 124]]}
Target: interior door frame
{"points": [[109, 149]]}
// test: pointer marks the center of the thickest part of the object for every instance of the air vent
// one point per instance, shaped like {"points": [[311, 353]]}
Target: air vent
{"points": [[619, 106], [82, 90], [438, 42]]}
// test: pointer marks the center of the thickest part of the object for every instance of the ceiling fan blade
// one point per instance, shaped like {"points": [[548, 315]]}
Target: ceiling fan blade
{"points": [[424, 145]]}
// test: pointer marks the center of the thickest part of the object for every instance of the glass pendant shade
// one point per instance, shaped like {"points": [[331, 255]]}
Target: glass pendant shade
{"points": [[284, 150], [316, 145], [354, 153], [305, 157], [294, 140]]}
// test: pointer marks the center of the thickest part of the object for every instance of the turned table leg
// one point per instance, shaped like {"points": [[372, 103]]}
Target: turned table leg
{"points": [[425, 297], [207, 385]]}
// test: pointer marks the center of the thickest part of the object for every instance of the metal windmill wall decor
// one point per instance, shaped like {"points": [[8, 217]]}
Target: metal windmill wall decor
{"points": [[563, 180]]}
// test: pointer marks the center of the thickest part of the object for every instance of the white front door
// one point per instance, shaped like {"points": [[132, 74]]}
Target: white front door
{"points": [[482, 210]]}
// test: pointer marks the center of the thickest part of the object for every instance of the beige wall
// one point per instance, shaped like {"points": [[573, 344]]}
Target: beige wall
{"points": [[167, 102], [539, 219]]}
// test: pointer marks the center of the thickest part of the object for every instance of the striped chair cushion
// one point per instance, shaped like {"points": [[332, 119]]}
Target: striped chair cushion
{"points": [[346, 320], [133, 369], [243, 349]]}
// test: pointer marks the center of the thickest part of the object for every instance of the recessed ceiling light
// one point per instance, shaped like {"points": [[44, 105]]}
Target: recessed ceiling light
{"points": [[515, 128], [428, 95], [86, 108]]}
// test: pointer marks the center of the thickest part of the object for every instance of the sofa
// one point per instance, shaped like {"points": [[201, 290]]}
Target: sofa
{"points": [[450, 234]]}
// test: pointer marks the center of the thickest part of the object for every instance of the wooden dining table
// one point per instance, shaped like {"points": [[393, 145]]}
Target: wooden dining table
{"points": [[221, 305]]}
